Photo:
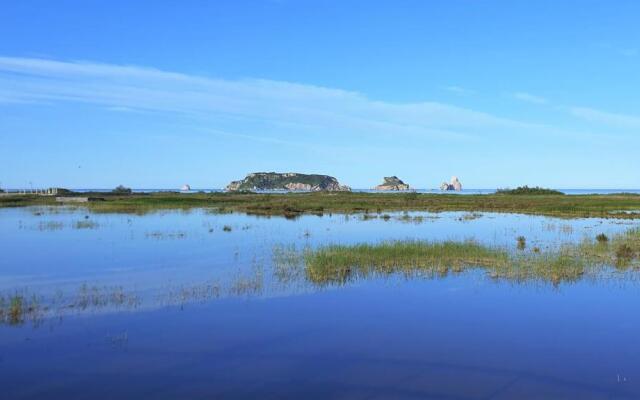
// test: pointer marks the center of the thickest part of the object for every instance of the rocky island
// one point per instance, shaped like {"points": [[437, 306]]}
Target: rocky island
{"points": [[290, 181], [392, 183]]}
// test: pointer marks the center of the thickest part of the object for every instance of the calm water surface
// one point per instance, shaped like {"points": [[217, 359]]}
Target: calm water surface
{"points": [[175, 305]]}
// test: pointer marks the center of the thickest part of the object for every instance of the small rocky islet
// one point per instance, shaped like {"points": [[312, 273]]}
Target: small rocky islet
{"points": [[392, 183], [454, 185]]}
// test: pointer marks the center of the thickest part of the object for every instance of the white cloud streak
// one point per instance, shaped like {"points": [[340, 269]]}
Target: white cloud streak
{"points": [[606, 118], [279, 112], [529, 98], [116, 87], [460, 90]]}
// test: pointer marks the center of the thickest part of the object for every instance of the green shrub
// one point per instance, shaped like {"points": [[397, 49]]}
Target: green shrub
{"points": [[526, 190], [120, 189]]}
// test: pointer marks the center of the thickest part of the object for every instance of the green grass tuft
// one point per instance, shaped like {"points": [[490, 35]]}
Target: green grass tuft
{"points": [[339, 264]]}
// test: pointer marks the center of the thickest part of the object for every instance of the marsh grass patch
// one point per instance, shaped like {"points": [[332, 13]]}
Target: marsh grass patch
{"points": [[339, 264]]}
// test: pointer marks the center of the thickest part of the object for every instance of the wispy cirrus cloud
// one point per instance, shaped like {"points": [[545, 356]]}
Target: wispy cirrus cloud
{"points": [[623, 51], [459, 90], [629, 52], [131, 88], [605, 117], [529, 98]]}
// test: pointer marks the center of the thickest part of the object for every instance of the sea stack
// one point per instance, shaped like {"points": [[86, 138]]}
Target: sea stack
{"points": [[454, 185], [392, 183]]}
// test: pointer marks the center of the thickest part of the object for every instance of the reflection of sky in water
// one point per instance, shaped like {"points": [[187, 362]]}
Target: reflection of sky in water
{"points": [[49, 250], [451, 338], [460, 337]]}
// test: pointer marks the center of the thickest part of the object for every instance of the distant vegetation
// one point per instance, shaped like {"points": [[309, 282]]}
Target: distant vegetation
{"points": [[526, 190], [292, 205], [122, 190], [62, 191]]}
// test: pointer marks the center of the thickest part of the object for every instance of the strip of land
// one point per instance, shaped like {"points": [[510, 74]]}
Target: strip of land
{"points": [[293, 204]]}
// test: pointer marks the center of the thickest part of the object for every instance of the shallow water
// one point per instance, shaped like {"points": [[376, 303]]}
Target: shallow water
{"points": [[203, 315]]}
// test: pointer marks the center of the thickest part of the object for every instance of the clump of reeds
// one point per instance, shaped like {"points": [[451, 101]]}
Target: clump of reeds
{"points": [[17, 308], [522, 242]]}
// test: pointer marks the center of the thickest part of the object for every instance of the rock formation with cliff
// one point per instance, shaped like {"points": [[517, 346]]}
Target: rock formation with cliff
{"points": [[453, 185], [392, 183], [290, 181]]}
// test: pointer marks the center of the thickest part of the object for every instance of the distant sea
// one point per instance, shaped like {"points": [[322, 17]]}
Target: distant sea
{"points": [[433, 191]]}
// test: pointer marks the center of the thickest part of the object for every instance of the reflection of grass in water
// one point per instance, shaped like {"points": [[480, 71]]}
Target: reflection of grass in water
{"points": [[50, 226], [158, 235], [86, 224], [566, 229], [470, 216], [288, 264], [218, 211], [337, 264], [406, 218], [94, 296], [247, 285], [198, 292]]}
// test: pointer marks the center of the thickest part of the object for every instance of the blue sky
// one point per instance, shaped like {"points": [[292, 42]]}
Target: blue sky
{"points": [[160, 93]]}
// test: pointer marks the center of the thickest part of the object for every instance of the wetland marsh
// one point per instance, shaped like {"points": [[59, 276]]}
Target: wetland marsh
{"points": [[404, 304]]}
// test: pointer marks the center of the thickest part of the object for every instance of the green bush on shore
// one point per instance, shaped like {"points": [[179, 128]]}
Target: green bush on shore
{"points": [[526, 190]]}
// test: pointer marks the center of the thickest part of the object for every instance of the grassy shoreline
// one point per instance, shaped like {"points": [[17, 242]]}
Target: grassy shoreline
{"points": [[292, 204]]}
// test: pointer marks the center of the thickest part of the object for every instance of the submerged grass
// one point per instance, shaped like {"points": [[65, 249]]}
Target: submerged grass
{"points": [[17, 308], [21, 307], [338, 264]]}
